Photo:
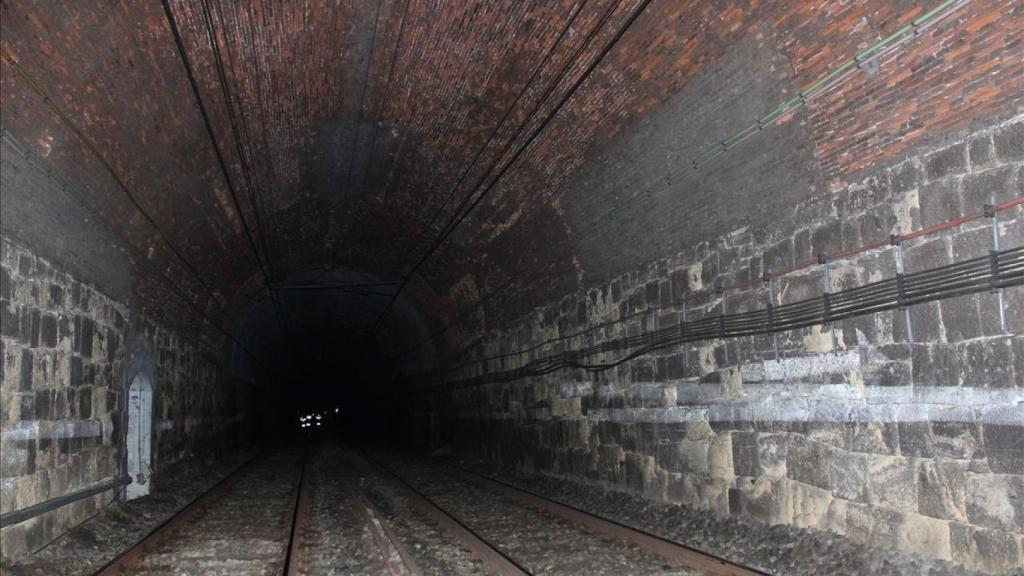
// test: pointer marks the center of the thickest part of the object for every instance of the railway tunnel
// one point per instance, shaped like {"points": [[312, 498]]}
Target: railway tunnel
{"points": [[555, 287]]}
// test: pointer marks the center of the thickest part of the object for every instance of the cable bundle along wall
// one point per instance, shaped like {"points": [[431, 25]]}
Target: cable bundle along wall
{"points": [[992, 272]]}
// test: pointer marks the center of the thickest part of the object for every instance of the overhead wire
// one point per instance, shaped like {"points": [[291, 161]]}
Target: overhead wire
{"points": [[39, 163], [827, 82], [458, 217], [118, 180]]}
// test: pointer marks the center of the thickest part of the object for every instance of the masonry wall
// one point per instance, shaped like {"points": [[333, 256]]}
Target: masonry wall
{"points": [[72, 338], [891, 440]]}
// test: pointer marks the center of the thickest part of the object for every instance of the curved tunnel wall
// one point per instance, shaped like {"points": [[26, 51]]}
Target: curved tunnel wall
{"points": [[73, 337], [167, 215], [892, 428]]}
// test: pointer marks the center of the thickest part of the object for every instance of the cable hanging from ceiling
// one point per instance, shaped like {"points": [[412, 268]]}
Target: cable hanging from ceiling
{"points": [[457, 217], [828, 82], [40, 164]]}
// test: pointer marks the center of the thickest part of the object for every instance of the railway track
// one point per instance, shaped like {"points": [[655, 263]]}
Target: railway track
{"points": [[517, 560], [332, 509]]}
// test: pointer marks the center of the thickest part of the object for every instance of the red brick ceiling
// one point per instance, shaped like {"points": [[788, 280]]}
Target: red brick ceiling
{"points": [[352, 130]]}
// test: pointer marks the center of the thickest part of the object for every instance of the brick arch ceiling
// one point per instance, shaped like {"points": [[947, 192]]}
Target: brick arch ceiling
{"points": [[351, 131]]}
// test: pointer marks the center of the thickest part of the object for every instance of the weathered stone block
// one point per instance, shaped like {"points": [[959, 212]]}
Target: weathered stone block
{"points": [[924, 535], [981, 152], [683, 488], [849, 475], [27, 368], [771, 454], [995, 501], [946, 162], [871, 525], [720, 462], [981, 188], [940, 201], [960, 440], [942, 489], [915, 439], [936, 364], [48, 330], [987, 363], [960, 318], [809, 462], [1009, 142], [745, 454], [810, 504], [10, 323], [640, 472], [892, 482], [875, 437], [991, 551], [925, 321], [765, 499]]}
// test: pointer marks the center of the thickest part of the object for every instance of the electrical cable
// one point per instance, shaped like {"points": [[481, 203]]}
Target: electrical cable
{"points": [[993, 271], [971, 277], [459, 218], [40, 164], [91, 147], [828, 82]]}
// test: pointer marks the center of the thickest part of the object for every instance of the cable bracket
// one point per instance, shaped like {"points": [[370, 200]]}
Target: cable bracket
{"points": [[993, 267]]}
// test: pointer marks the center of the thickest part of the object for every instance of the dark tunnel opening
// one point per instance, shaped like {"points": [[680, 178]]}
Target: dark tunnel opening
{"points": [[315, 347], [333, 371]]}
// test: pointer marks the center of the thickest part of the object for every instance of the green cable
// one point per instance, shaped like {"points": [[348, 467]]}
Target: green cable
{"points": [[800, 99]]}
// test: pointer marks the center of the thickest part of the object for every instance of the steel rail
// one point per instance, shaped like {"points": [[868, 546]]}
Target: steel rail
{"points": [[677, 553], [300, 510], [124, 561], [386, 540], [492, 557]]}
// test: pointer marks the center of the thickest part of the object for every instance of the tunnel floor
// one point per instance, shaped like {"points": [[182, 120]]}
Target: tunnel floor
{"points": [[328, 507], [322, 506]]}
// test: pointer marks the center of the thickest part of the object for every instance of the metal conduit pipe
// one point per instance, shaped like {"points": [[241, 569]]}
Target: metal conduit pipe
{"points": [[52, 504]]}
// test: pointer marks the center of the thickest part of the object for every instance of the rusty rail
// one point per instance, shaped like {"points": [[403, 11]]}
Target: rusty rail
{"points": [[495, 561], [125, 561], [674, 552]]}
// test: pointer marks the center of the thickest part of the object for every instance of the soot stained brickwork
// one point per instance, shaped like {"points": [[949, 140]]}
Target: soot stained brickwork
{"points": [[394, 100], [888, 441]]}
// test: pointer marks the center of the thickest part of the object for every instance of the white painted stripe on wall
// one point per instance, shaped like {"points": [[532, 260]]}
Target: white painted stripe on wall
{"points": [[53, 429], [837, 403], [801, 366]]}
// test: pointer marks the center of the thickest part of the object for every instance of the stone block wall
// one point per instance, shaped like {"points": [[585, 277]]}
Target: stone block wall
{"points": [[892, 429], [62, 387], [193, 412]]}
